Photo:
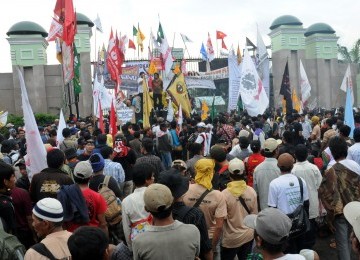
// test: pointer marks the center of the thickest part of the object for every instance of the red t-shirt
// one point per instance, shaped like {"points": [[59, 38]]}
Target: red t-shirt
{"points": [[253, 161], [96, 205]]}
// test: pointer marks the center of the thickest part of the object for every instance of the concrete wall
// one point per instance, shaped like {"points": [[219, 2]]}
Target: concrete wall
{"points": [[46, 90], [325, 76]]}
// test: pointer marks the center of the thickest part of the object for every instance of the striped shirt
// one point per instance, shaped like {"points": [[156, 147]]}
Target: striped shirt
{"points": [[114, 170]]}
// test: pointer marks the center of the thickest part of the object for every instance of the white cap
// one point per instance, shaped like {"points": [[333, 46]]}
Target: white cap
{"points": [[201, 124]]}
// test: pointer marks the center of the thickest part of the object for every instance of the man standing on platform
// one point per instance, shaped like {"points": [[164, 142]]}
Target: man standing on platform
{"points": [[157, 85]]}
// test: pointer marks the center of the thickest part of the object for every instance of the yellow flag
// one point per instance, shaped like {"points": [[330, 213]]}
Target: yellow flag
{"points": [[204, 110], [147, 105], [178, 90], [152, 68], [140, 37], [238, 54], [296, 101]]}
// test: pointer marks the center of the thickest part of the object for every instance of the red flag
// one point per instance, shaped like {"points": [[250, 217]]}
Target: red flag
{"points": [[119, 54], [101, 119], [112, 128], [112, 60], [220, 35], [223, 44], [132, 45], [64, 9]]}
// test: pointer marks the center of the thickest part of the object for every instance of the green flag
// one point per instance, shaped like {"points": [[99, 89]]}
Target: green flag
{"points": [[76, 79], [160, 34], [135, 31]]}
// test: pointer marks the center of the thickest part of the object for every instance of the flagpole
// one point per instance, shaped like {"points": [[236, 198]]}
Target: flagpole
{"points": [[217, 47], [95, 44]]}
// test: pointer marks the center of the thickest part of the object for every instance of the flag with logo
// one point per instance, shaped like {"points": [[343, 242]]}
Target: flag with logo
{"points": [[35, 159], [209, 49], [112, 59], [178, 90], [64, 10], [285, 90], [347, 83], [263, 63], [165, 50], [305, 86], [251, 89]]}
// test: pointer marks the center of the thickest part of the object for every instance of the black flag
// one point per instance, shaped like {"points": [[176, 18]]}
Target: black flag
{"points": [[285, 90]]}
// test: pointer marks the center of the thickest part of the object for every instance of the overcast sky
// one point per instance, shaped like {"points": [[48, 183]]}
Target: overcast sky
{"points": [[195, 18]]}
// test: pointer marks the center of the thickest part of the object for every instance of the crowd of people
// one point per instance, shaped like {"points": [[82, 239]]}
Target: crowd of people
{"points": [[235, 186]]}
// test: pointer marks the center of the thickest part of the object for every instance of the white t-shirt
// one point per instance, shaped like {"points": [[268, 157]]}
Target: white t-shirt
{"points": [[291, 257], [284, 193]]}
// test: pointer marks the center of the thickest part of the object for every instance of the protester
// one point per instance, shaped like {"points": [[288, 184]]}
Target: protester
{"points": [[266, 171], [241, 200], [178, 186], [182, 240], [215, 207], [48, 182], [135, 219], [252, 161], [271, 233], [47, 221], [337, 181]]}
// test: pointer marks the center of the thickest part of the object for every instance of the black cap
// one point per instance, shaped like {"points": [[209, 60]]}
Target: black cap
{"points": [[178, 184]]}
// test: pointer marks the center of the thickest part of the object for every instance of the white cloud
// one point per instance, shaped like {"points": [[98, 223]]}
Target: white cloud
{"points": [[236, 18]]}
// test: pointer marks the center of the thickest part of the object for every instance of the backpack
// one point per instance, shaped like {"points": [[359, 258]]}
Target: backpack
{"points": [[10, 247], [113, 212]]}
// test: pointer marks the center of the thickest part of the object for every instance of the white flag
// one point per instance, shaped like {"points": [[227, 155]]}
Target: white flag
{"points": [[98, 25], [3, 118], [234, 80], [170, 112], [185, 38], [62, 125], [263, 63], [347, 82], [35, 158], [305, 87], [252, 92], [209, 49]]}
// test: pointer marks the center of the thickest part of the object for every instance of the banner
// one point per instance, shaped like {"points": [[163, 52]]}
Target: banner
{"points": [[263, 63], [199, 83], [222, 73], [129, 78], [142, 65], [125, 114], [234, 80], [304, 84]]}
